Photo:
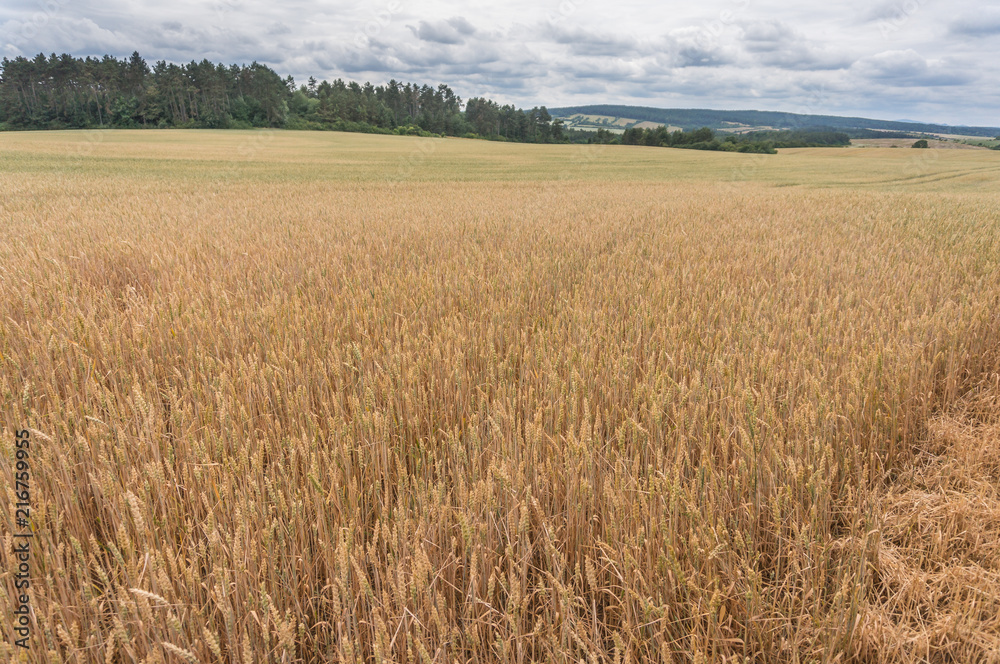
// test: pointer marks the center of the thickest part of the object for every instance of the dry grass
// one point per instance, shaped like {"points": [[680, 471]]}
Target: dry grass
{"points": [[938, 566], [298, 413]]}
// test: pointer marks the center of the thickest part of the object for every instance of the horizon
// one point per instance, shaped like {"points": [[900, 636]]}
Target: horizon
{"points": [[818, 113], [299, 83]]}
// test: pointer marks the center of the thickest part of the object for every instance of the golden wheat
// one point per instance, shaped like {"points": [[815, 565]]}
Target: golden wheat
{"points": [[668, 406]]}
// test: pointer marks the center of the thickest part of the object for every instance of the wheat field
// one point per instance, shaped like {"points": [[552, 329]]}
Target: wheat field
{"points": [[307, 397]]}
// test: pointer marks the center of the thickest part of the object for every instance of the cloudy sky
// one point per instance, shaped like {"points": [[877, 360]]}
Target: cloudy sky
{"points": [[928, 60]]}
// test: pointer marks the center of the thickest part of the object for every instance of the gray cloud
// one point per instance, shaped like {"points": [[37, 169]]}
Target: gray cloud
{"points": [[582, 42], [776, 44], [897, 58], [893, 10], [696, 47], [893, 65], [451, 31], [983, 25], [768, 35], [279, 28], [909, 69]]}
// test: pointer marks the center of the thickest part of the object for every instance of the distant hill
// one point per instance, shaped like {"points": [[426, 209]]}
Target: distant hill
{"points": [[693, 118]]}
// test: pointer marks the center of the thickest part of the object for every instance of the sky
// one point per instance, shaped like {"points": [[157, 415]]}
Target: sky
{"points": [[924, 60]]}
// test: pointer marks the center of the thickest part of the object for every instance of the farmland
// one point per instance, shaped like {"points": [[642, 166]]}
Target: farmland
{"points": [[615, 125], [306, 397]]}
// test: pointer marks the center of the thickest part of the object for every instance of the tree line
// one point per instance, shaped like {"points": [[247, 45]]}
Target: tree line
{"points": [[699, 139], [704, 138], [66, 92]]}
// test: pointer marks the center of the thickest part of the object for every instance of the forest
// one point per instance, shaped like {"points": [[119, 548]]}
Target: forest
{"points": [[66, 92]]}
